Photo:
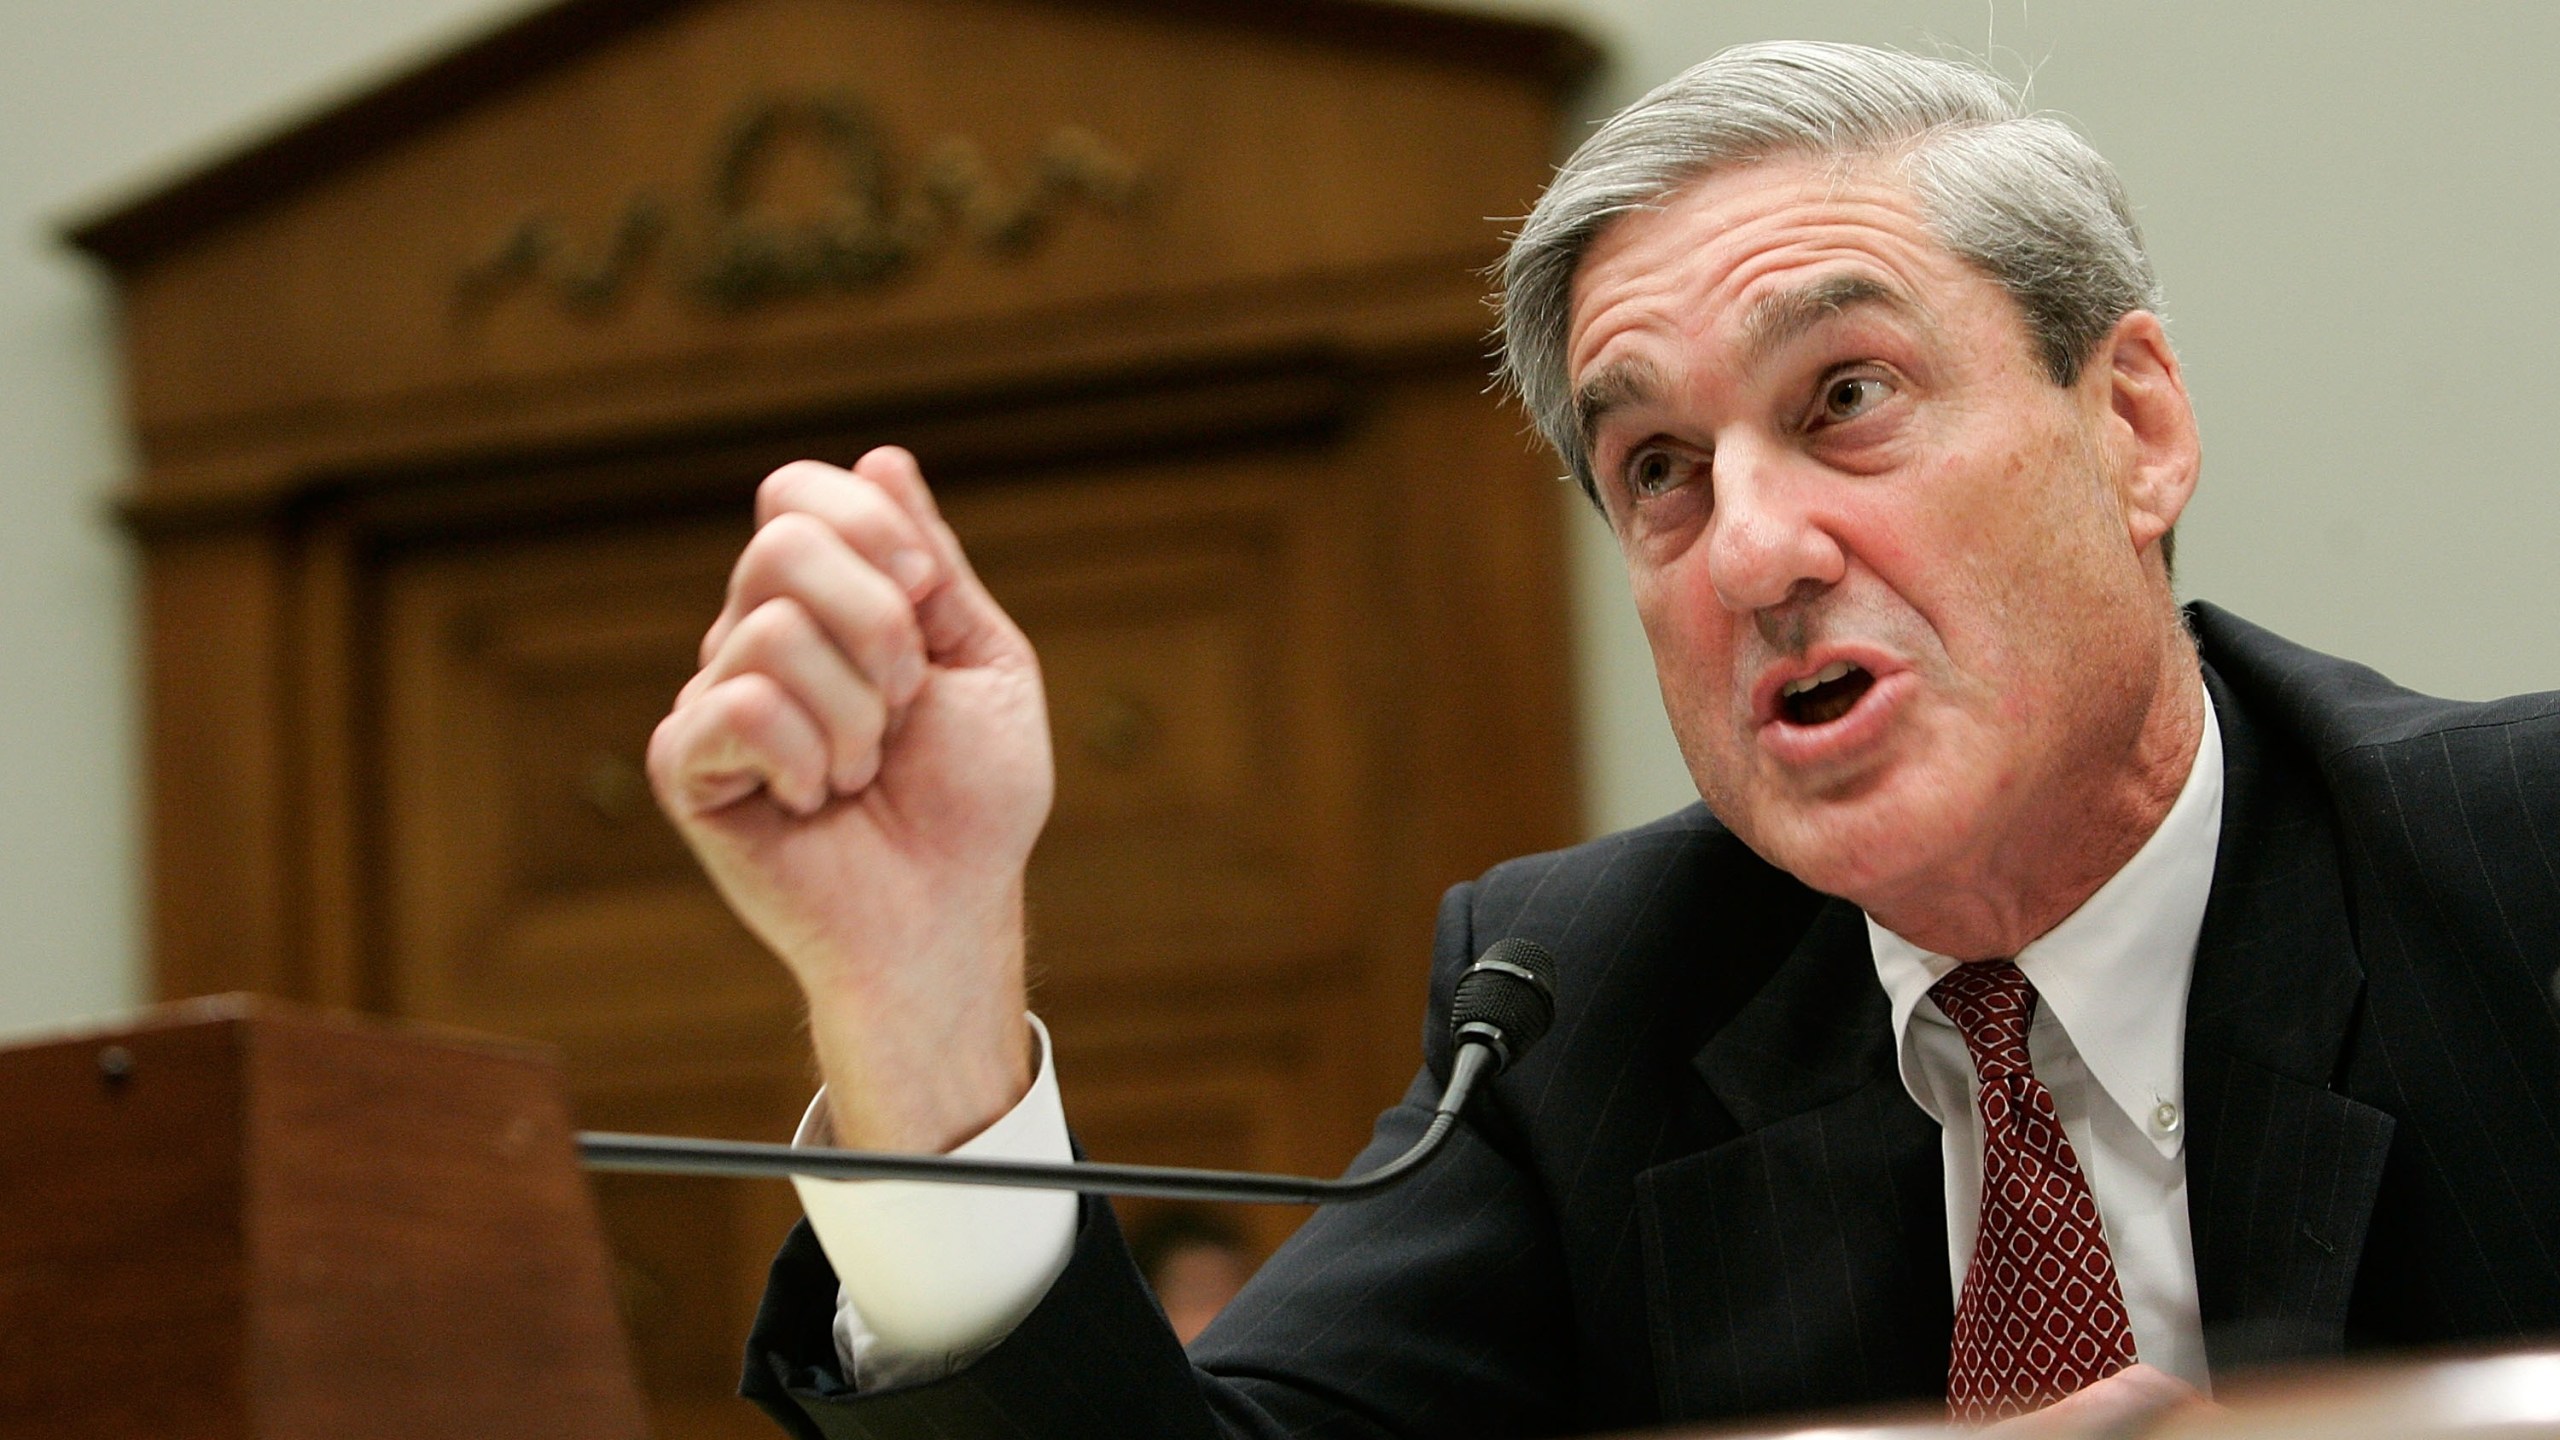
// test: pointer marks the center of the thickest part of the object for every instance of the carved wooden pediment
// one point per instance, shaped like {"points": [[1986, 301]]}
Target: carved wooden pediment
{"points": [[612, 207]]}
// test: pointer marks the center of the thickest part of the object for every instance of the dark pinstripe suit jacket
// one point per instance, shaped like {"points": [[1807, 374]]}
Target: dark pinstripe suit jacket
{"points": [[1706, 1194]]}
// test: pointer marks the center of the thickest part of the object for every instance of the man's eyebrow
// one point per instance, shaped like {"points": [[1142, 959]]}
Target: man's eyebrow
{"points": [[1774, 322], [1780, 319], [1613, 387]]}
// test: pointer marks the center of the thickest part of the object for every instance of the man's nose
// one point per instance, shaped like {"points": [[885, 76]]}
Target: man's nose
{"points": [[1768, 539]]}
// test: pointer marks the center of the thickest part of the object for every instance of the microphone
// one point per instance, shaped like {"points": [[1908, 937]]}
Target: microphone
{"points": [[1504, 1002]]}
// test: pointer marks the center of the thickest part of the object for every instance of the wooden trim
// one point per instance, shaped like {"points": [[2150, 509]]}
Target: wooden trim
{"points": [[216, 615], [1552, 55], [131, 235], [960, 432], [331, 674], [246, 466]]}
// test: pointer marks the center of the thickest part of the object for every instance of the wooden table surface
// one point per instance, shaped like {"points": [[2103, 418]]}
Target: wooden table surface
{"points": [[2513, 1395]]}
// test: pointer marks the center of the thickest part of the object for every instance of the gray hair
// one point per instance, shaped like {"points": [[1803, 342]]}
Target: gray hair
{"points": [[2021, 197]]}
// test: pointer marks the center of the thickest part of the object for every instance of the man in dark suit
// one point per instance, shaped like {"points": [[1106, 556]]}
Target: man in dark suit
{"points": [[2060, 997]]}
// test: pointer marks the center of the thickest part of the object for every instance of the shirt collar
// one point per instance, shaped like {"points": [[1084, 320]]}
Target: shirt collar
{"points": [[2114, 973]]}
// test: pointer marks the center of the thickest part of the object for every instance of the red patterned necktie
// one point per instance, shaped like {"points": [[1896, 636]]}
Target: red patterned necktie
{"points": [[2041, 1314]]}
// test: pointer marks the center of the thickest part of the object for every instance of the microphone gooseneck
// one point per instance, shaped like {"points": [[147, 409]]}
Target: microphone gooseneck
{"points": [[1504, 1002]]}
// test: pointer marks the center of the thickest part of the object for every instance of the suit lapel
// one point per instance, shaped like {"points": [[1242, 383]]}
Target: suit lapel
{"points": [[1805, 1261], [2281, 1172]]}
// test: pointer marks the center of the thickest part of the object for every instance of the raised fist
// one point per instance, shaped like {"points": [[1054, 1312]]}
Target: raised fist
{"points": [[862, 764]]}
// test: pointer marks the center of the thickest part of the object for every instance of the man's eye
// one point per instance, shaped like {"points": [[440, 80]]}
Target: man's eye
{"points": [[1846, 397], [1650, 472]]}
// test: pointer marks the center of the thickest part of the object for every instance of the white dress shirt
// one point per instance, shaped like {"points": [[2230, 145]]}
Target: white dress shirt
{"points": [[933, 1276], [2109, 1041]]}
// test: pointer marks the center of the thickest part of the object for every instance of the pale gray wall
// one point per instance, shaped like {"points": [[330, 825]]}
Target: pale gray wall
{"points": [[2348, 203], [96, 97]]}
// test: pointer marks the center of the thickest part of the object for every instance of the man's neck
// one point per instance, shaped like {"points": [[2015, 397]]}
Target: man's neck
{"points": [[2039, 874]]}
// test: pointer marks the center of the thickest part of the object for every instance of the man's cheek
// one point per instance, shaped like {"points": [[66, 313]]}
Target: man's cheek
{"points": [[1714, 744], [1680, 662], [1697, 687]]}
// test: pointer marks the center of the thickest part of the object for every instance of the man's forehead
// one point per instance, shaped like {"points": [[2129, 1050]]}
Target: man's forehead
{"points": [[1750, 233], [1780, 317]]}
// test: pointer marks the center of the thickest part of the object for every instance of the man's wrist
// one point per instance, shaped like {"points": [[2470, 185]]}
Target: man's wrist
{"points": [[928, 1090]]}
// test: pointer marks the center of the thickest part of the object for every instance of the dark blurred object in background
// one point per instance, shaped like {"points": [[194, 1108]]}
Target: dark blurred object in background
{"points": [[1195, 1260]]}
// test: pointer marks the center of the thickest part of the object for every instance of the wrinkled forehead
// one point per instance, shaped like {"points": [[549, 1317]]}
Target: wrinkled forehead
{"points": [[1751, 256]]}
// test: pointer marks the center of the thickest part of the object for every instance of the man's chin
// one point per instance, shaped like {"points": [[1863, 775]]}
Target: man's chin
{"points": [[1868, 853]]}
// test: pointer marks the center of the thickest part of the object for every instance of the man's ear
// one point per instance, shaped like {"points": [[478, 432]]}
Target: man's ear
{"points": [[2150, 425]]}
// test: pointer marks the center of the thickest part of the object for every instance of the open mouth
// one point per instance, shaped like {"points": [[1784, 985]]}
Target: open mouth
{"points": [[1825, 695]]}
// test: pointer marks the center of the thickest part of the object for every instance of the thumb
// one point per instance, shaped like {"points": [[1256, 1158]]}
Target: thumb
{"points": [[961, 623]]}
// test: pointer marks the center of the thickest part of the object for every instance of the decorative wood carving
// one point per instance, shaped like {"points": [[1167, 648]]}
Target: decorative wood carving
{"points": [[881, 218]]}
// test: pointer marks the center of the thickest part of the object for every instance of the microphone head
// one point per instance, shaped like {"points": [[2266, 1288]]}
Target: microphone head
{"points": [[1506, 1000]]}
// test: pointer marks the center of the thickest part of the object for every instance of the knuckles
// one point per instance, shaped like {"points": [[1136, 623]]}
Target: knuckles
{"points": [[784, 490], [695, 754], [780, 558], [667, 754], [781, 547], [799, 561], [768, 633]]}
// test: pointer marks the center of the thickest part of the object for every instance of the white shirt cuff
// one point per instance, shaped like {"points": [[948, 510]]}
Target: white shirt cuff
{"points": [[932, 1276]]}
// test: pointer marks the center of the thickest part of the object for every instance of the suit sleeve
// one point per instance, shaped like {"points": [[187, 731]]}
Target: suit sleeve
{"points": [[1435, 1310]]}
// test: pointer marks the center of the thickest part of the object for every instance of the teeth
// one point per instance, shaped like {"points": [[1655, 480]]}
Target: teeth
{"points": [[1836, 670]]}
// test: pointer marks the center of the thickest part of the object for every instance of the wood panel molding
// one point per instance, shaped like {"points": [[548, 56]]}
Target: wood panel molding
{"points": [[132, 233]]}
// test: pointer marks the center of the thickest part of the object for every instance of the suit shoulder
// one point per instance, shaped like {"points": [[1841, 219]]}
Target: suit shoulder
{"points": [[1685, 871], [1642, 849], [2334, 706], [1657, 915]]}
